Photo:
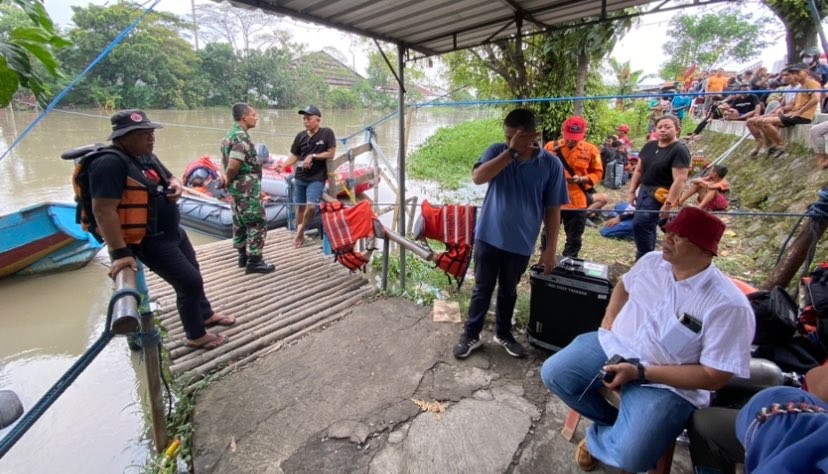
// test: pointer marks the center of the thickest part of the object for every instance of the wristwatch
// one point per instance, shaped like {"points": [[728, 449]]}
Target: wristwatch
{"points": [[314, 156], [642, 377], [515, 154]]}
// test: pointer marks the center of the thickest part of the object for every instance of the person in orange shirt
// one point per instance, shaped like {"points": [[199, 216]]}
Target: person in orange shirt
{"points": [[583, 169], [715, 84]]}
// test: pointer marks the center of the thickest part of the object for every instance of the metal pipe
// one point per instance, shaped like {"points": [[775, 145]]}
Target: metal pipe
{"points": [[422, 252], [125, 315], [401, 158]]}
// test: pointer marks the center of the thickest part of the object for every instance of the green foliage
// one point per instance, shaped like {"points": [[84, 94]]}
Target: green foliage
{"points": [[449, 154], [424, 282], [709, 40], [800, 28], [28, 42], [342, 98], [151, 68], [627, 80]]}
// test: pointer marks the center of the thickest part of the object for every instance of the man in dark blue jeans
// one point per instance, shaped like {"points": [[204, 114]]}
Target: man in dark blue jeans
{"points": [[526, 187]]}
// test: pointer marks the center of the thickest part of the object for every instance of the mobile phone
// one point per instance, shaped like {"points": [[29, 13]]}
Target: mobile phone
{"points": [[608, 377], [690, 322]]}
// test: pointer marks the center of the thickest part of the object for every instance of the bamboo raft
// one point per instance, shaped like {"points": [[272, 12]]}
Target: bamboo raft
{"points": [[307, 291]]}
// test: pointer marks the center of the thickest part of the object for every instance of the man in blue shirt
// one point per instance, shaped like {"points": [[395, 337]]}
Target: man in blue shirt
{"points": [[681, 104], [526, 188]]}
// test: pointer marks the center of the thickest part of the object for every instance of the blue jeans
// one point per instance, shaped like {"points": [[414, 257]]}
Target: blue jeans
{"points": [[494, 266], [631, 438], [308, 191], [645, 223]]}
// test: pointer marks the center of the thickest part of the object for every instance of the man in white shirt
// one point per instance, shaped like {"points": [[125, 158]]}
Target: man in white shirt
{"points": [[683, 329]]}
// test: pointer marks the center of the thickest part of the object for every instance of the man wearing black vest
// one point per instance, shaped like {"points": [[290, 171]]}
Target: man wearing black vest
{"points": [[133, 201]]}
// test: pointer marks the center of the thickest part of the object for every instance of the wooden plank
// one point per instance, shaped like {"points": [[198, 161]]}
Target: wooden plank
{"points": [[349, 155]]}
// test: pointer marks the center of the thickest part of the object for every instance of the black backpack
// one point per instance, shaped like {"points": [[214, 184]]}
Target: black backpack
{"points": [[776, 316]]}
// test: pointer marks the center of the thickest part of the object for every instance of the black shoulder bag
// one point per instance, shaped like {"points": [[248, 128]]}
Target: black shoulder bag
{"points": [[572, 173]]}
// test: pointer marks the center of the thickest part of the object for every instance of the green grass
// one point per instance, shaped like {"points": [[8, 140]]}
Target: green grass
{"points": [[448, 155]]}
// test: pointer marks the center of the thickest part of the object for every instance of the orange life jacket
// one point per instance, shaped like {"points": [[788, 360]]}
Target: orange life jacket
{"points": [[344, 227], [136, 209], [454, 226]]}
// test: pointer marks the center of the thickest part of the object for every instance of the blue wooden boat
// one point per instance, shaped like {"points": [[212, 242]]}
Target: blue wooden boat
{"points": [[44, 238]]}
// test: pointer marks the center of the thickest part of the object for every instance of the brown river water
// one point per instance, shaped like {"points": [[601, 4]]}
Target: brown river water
{"points": [[46, 322]]}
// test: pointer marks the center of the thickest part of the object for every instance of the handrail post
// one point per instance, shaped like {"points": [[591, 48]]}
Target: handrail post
{"points": [[152, 362]]}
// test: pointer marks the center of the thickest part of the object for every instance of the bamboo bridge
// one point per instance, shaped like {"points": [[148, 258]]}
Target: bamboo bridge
{"points": [[307, 291]]}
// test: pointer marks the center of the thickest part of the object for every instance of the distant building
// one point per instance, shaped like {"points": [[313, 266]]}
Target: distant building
{"points": [[331, 70]]}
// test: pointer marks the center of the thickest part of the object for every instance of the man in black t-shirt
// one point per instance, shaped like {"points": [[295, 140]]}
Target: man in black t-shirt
{"points": [[743, 106], [143, 221], [313, 147]]}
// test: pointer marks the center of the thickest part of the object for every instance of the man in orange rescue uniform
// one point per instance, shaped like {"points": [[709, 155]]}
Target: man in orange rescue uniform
{"points": [[583, 168]]}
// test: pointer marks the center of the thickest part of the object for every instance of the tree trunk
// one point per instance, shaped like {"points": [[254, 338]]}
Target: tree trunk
{"points": [[787, 267], [580, 81], [800, 28]]}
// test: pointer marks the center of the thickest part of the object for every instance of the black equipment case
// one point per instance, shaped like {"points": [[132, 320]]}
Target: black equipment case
{"points": [[569, 301]]}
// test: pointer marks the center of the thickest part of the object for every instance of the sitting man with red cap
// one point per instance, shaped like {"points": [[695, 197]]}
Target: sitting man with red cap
{"points": [[582, 162], [682, 329], [623, 130]]}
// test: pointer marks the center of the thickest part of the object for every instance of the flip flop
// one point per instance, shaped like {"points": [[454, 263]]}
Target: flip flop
{"points": [[217, 341], [221, 321]]}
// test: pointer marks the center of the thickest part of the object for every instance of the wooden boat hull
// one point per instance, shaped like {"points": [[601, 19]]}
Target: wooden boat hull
{"points": [[215, 217], [44, 238]]}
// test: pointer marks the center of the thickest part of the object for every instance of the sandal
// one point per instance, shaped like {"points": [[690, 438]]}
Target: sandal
{"points": [[216, 341], [221, 321], [776, 152]]}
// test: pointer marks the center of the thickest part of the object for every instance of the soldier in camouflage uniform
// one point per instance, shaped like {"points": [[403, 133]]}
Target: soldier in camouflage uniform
{"points": [[243, 178]]}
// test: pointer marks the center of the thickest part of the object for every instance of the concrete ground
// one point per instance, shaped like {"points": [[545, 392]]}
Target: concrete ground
{"points": [[345, 399]]}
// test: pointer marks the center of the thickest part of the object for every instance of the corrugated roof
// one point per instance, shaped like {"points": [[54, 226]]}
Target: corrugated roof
{"points": [[433, 27]]}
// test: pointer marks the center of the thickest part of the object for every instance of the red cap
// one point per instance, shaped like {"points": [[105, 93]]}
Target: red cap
{"points": [[623, 128], [574, 128], [699, 227]]}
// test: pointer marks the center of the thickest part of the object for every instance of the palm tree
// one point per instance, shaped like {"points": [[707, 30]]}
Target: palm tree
{"points": [[627, 80]]}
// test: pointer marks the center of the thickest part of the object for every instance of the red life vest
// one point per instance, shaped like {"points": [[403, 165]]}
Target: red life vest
{"points": [[204, 163], [453, 225], [344, 227]]}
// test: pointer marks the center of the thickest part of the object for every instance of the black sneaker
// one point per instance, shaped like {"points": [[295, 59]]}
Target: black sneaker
{"points": [[465, 346], [511, 345]]}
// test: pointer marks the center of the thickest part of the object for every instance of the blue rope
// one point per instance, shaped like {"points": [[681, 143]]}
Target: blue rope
{"points": [[539, 100], [71, 85]]}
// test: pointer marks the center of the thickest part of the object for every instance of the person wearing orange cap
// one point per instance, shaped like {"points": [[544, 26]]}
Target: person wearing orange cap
{"points": [[681, 329], [582, 163], [623, 130]]}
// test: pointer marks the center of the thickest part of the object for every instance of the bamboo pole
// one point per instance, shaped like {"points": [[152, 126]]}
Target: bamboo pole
{"points": [[259, 309], [209, 362], [247, 343], [790, 263], [186, 354], [277, 346], [152, 361]]}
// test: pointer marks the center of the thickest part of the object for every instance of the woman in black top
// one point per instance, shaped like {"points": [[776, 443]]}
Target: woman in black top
{"points": [[662, 165]]}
